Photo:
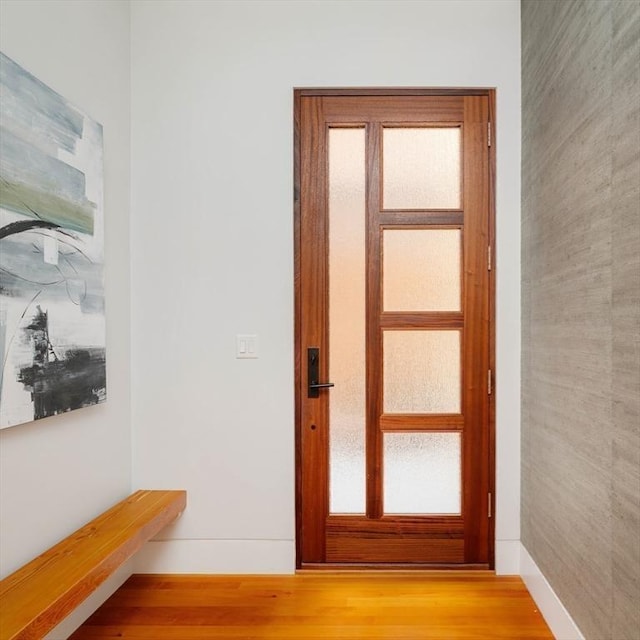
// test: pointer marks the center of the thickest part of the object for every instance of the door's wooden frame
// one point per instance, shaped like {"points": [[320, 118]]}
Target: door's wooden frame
{"points": [[490, 93]]}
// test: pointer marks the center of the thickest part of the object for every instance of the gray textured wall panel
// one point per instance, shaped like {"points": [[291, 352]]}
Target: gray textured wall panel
{"points": [[625, 184], [581, 307]]}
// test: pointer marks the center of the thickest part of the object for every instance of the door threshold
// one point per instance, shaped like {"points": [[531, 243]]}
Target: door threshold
{"points": [[339, 567]]}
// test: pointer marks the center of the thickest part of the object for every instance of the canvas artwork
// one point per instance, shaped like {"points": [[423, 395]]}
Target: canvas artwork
{"points": [[52, 320]]}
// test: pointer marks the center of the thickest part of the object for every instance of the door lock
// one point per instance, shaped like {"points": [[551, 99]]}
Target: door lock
{"points": [[313, 371]]}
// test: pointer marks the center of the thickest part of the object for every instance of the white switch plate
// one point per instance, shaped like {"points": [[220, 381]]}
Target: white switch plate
{"points": [[246, 346]]}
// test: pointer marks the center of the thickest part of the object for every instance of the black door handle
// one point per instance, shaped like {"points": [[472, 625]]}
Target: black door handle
{"points": [[313, 371]]}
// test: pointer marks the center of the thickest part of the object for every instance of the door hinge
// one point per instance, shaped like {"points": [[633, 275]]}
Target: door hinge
{"points": [[488, 134], [489, 382], [489, 256], [489, 507]]}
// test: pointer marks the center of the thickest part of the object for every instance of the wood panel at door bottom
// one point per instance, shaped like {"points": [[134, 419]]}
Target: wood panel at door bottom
{"points": [[394, 540]]}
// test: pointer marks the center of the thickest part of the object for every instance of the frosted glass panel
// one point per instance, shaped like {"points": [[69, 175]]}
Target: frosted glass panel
{"points": [[422, 372], [421, 168], [422, 473], [347, 320], [421, 270]]}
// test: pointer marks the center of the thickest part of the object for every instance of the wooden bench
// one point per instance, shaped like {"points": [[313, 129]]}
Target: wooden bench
{"points": [[38, 596]]}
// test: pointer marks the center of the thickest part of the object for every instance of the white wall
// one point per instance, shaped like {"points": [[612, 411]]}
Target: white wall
{"points": [[212, 230], [58, 473]]}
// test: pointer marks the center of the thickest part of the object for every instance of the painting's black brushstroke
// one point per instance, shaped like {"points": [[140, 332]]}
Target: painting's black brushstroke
{"points": [[25, 225], [61, 382], [8, 345], [30, 224]]}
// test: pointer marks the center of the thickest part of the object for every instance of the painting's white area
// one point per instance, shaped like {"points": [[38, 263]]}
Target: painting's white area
{"points": [[50, 243], [212, 230], [58, 473], [76, 328]]}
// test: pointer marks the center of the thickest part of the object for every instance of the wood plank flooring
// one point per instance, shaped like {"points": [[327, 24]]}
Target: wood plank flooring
{"points": [[311, 606]]}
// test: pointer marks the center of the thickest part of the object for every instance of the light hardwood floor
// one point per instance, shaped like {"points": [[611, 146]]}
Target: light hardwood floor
{"points": [[310, 606]]}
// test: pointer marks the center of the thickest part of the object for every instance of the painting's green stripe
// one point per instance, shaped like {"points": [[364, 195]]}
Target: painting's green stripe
{"points": [[35, 203]]}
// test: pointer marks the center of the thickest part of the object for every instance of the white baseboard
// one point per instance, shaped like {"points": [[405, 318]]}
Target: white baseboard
{"points": [[508, 557], [91, 604], [216, 556], [557, 617]]}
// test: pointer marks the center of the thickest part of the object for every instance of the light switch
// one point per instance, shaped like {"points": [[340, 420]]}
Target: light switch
{"points": [[246, 346]]}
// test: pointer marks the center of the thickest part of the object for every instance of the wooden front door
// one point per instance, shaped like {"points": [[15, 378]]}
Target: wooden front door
{"points": [[393, 327]]}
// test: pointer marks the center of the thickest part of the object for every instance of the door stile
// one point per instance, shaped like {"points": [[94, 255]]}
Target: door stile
{"points": [[313, 332], [476, 313], [373, 332], [491, 293], [297, 339]]}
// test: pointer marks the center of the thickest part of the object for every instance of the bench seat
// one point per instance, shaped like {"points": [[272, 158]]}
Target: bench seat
{"points": [[36, 597]]}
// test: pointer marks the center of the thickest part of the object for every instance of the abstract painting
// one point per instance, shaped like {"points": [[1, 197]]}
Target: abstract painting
{"points": [[52, 317]]}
